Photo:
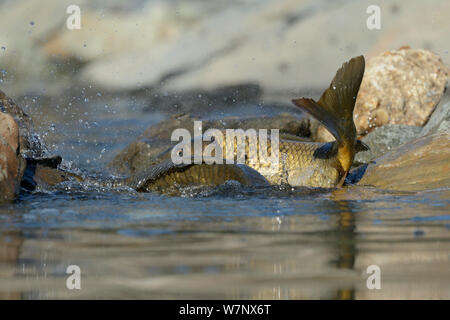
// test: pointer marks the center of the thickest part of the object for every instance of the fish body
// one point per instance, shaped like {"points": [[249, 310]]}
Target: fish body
{"points": [[298, 166], [312, 164], [167, 175], [297, 163], [335, 111]]}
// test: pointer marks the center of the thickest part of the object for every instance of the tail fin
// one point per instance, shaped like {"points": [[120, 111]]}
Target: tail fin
{"points": [[335, 107]]}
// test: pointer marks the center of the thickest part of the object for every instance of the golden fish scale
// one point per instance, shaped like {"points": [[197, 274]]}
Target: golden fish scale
{"points": [[296, 164]]}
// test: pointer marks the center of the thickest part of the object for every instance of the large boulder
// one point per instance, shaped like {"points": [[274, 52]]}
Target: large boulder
{"points": [[10, 161], [389, 136], [408, 157], [400, 87]]}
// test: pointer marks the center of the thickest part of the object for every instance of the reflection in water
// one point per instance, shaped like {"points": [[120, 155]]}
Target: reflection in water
{"points": [[10, 244], [247, 244], [346, 244]]}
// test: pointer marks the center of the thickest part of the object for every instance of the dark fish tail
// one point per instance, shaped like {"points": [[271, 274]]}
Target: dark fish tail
{"points": [[335, 110]]}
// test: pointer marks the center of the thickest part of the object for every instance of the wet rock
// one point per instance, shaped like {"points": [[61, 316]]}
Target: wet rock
{"points": [[30, 143], [35, 166], [43, 177], [152, 146], [386, 138], [421, 164], [10, 162], [440, 119], [400, 87]]}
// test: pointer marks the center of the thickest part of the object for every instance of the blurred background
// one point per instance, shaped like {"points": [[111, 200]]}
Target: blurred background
{"points": [[176, 45]]}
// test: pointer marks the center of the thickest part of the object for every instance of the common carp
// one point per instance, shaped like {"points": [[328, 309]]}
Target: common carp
{"points": [[300, 163]]}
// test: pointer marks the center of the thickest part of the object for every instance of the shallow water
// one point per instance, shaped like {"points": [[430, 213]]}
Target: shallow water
{"points": [[227, 242]]}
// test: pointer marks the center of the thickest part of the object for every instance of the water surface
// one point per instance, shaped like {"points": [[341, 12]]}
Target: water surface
{"points": [[226, 242]]}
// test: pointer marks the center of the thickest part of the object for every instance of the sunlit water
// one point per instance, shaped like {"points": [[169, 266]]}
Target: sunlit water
{"points": [[227, 242]]}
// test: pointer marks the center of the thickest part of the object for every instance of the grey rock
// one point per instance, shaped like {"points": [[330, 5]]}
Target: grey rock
{"points": [[440, 118], [385, 138]]}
